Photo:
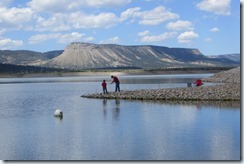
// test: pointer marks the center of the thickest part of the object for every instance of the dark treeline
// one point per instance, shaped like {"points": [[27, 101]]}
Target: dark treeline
{"points": [[219, 68], [113, 68], [222, 68], [9, 68]]}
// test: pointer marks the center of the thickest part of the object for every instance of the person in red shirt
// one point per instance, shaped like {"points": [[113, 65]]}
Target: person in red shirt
{"points": [[198, 82], [104, 85], [116, 81]]}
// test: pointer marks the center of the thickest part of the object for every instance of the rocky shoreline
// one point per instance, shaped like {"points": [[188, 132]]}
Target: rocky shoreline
{"points": [[228, 90]]}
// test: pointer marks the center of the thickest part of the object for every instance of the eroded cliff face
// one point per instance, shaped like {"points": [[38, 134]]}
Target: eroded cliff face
{"points": [[77, 56], [85, 55]]}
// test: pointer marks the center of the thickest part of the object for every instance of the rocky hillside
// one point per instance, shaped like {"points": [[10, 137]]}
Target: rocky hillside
{"points": [[84, 55], [233, 57], [25, 57], [77, 56], [21, 57]]}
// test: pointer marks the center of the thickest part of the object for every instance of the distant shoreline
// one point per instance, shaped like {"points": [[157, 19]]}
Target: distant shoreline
{"points": [[106, 73]]}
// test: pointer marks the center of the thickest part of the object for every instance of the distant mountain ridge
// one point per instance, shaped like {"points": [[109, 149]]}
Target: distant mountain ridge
{"points": [[85, 55], [52, 54], [234, 57], [20, 57], [26, 57], [78, 55]]}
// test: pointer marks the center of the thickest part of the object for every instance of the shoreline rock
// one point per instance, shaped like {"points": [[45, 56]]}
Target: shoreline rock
{"points": [[228, 91], [222, 92]]}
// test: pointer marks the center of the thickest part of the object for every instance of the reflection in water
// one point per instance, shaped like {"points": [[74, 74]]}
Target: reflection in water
{"points": [[229, 105], [95, 129], [116, 109], [105, 108], [58, 119], [114, 105]]}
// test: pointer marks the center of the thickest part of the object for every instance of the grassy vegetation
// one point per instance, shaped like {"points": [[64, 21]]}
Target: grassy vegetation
{"points": [[12, 69]]}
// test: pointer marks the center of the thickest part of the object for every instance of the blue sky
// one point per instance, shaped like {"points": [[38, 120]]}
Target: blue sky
{"points": [[212, 26]]}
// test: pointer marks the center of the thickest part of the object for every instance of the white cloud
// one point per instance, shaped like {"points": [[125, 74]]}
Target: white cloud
{"points": [[158, 38], [14, 17], [144, 33], [187, 37], [155, 16], [102, 20], [54, 6], [51, 5], [113, 40], [43, 37], [72, 37], [56, 22], [77, 20], [219, 7], [8, 43], [64, 21], [180, 25], [215, 29], [132, 12], [61, 38], [106, 3]]}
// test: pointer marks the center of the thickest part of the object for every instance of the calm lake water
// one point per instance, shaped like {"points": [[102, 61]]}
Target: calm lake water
{"points": [[97, 129]]}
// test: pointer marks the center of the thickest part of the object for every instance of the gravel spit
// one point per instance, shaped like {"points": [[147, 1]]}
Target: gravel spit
{"points": [[227, 88]]}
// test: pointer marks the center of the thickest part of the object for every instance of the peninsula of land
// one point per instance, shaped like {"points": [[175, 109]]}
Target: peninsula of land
{"points": [[227, 88]]}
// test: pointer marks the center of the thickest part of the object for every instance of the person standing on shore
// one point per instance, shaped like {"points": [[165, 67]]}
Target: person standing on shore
{"points": [[104, 85], [116, 81]]}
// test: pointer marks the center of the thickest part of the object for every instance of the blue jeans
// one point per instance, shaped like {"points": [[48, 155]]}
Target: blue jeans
{"points": [[105, 91], [117, 87]]}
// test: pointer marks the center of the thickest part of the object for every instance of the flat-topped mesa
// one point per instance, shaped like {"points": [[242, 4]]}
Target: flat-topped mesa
{"points": [[86, 55]]}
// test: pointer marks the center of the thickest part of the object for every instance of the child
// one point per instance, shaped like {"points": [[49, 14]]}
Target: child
{"points": [[104, 84]]}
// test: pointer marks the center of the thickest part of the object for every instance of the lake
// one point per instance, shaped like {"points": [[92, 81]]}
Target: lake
{"points": [[100, 129]]}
